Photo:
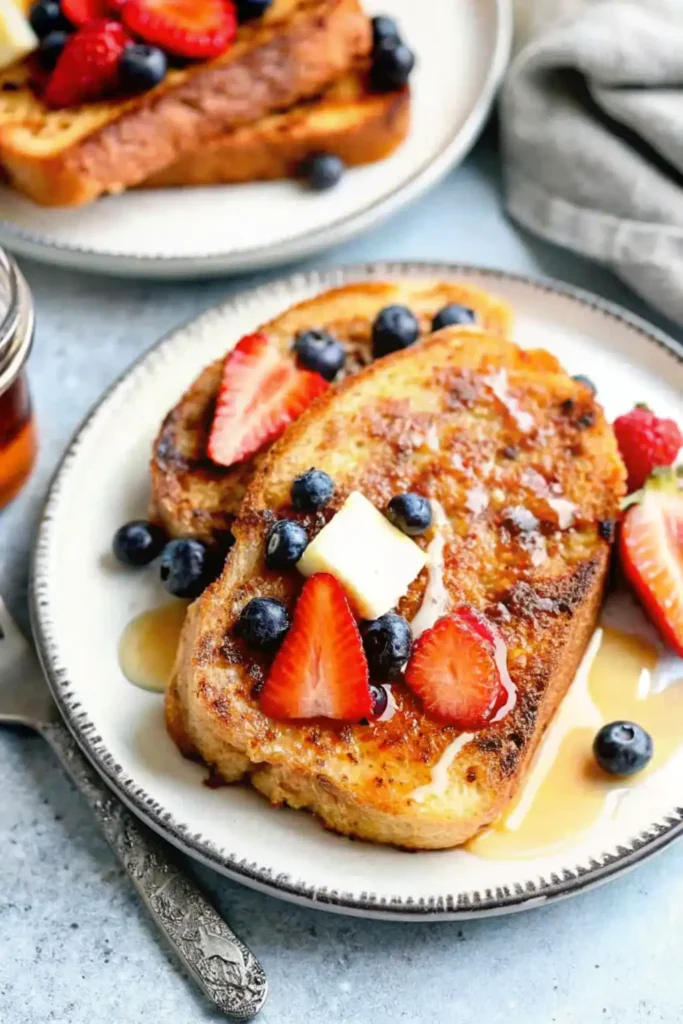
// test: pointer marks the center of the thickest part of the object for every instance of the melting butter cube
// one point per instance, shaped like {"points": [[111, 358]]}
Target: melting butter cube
{"points": [[17, 38], [373, 561]]}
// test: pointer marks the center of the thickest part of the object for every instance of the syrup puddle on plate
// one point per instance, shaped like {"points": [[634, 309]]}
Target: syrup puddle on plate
{"points": [[148, 645], [624, 675]]}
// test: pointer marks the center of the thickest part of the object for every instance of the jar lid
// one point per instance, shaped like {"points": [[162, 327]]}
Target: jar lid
{"points": [[16, 327]]}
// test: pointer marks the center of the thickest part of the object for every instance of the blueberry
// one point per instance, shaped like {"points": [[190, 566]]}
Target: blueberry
{"points": [[138, 543], [392, 63], [586, 381], [142, 67], [285, 544], [622, 748], [248, 9], [320, 351], [453, 314], [263, 623], [312, 490], [187, 567], [380, 700], [395, 327], [388, 643], [411, 513], [46, 17], [322, 171], [383, 28], [50, 49]]}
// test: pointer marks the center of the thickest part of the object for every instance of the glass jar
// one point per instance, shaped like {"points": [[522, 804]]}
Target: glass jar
{"points": [[17, 429]]}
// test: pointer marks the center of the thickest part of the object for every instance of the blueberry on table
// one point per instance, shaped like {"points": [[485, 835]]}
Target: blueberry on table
{"points": [[285, 544], [319, 351], [263, 623], [142, 67], [392, 64], [411, 513], [453, 315], [383, 28], [312, 490], [138, 543], [586, 381], [395, 327], [388, 643], [50, 49], [247, 10], [46, 16], [622, 748], [322, 171], [187, 567]]}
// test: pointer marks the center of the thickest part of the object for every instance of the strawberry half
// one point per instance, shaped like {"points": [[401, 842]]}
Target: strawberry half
{"points": [[80, 12], [320, 670], [197, 29], [651, 549], [456, 671], [88, 68], [261, 393]]}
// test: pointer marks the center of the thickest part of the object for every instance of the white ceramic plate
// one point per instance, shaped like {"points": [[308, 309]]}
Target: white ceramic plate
{"points": [[82, 601], [462, 48]]}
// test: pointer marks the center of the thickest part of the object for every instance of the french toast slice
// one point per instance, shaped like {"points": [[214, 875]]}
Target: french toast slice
{"points": [[526, 469], [192, 496], [69, 157], [349, 119]]}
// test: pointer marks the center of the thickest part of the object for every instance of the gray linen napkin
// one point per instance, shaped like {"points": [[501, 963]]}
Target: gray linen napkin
{"points": [[592, 123]]}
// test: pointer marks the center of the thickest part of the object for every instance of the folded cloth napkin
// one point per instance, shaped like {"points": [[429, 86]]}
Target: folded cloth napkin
{"points": [[592, 128]]}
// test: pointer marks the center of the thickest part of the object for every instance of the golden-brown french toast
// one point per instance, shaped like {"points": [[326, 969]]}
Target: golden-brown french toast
{"points": [[68, 157], [192, 496], [349, 119], [525, 468]]}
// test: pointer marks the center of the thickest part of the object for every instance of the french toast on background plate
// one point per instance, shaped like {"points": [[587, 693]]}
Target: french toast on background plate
{"points": [[520, 468]]}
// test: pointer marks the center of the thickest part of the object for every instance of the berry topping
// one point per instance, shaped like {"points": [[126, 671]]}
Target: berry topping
{"points": [[197, 29], [320, 671], [322, 171], [247, 10], [263, 623], [187, 567], [645, 442], [319, 351], [586, 381], [383, 28], [138, 543], [80, 12], [46, 16], [388, 642], [88, 68], [380, 700], [453, 315], [142, 67], [651, 550], [285, 544], [312, 490], [51, 48], [392, 63], [394, 328], [411, 513], [456, 672], [260, 394], [622, 748]]}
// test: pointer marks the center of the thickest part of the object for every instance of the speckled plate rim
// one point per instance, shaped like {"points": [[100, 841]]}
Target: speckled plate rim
{"points": [[456, 905], [46, 250]]}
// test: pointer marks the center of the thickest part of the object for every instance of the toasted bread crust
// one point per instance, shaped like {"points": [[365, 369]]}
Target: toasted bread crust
{"points": [[68, 158], [370, 435], [194, 497], [359, 126]]}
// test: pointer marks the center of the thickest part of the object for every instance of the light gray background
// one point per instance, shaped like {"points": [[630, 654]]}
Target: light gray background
{"points": [[76, 948]]}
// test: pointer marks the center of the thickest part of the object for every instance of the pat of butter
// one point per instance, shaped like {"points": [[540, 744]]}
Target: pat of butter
{"points": [[17, 38], [373, 561]]}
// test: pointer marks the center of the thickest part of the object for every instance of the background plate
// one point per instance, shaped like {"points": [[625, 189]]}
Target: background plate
{"points": [[82, 601], [462, 49]]}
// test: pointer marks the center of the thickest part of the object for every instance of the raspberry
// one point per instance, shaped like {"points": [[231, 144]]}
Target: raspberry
{"points": [[88, 68], [645, 442]]}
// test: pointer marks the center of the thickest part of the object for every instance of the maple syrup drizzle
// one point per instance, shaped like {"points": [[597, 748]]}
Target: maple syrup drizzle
{"points": [[148, 646]]}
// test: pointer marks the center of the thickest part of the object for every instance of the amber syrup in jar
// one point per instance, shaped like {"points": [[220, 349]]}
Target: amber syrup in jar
{"points": [[17, 429]]}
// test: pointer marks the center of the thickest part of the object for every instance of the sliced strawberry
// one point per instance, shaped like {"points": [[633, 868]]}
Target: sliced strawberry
{"points": [[261, 393], [320, 670], [88, 68], [80, 12], [651, 549], [456, 672], [197, 29]]}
